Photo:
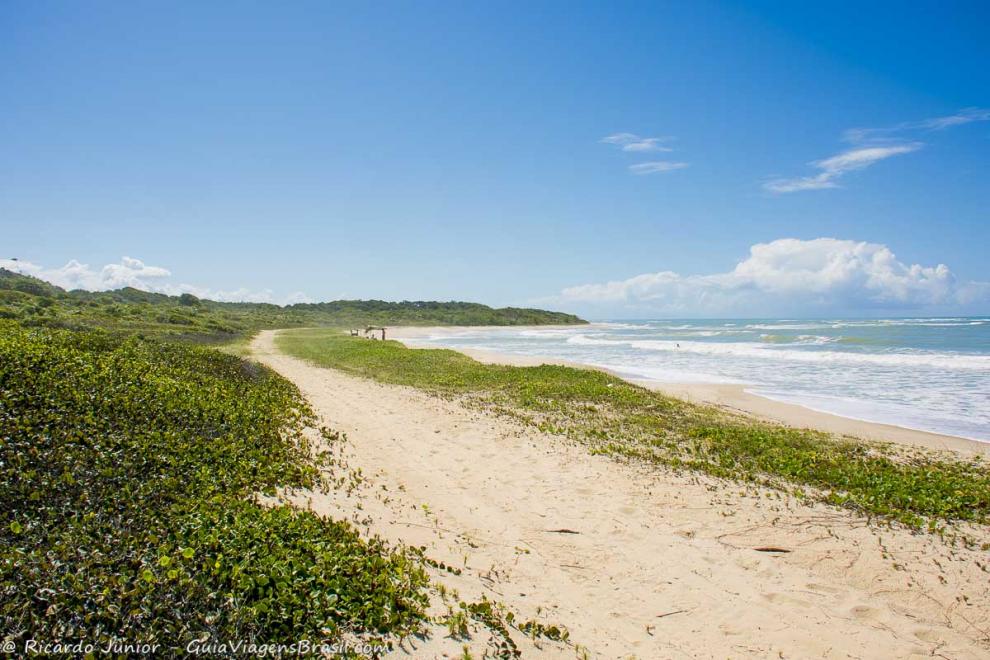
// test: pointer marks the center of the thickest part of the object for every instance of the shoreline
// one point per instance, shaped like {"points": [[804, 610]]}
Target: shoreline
{"points": [[733, 397], [608, 549]]}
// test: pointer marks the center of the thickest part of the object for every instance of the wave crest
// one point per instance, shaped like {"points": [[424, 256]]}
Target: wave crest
{"points": [[770, 352]]}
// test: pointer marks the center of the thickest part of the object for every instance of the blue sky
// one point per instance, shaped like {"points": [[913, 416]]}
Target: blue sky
{"points": [[455, 151]]}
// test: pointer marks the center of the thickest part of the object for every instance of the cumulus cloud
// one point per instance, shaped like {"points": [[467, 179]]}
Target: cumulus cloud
{"points": [[635, 143], [872, 146], [834, 168], [823, 273], [75, 275], [135, 273], [656, 166]]}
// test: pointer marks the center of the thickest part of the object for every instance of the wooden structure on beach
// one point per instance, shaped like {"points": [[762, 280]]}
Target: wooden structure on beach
{"points": [[370, 331]]}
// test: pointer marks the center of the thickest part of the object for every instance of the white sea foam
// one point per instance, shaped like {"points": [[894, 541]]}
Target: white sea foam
{"points": [[666, 374], [927, 373], [627, 326], [787, 326], [764, 352], [549, 332], [702, 333], [812, 340], [921, 323], [896, 414]]}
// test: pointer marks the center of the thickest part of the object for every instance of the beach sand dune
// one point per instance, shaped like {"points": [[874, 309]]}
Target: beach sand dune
{"points": [[633, 561]]}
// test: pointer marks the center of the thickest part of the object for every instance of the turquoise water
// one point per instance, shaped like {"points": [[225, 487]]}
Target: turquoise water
{"points": [[931, 374]]}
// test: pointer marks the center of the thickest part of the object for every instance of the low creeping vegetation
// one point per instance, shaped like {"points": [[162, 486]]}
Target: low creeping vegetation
{"points": [[614, 416], [498, 620], [129, 476]]}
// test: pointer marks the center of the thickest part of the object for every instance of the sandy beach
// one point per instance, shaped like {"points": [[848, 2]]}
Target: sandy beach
{"points": [[730, 396], [634, 562], [495, 330]]}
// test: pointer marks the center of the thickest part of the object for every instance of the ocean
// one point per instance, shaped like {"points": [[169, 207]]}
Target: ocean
{"points": [[930, 374]]}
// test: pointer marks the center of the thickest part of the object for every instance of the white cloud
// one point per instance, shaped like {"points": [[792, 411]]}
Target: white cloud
{"points": [[787, 275], [873, 145], [75, 275], [297, 297], [620, 138], [135, 273], [656, 166], [647, 144], [964, 116], [835, 167], [635, 143], [856, 159]]}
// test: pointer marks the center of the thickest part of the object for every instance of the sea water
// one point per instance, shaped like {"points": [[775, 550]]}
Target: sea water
{"points": [[931, 374]]}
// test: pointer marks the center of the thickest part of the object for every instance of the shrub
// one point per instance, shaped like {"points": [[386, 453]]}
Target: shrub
{"points": [[128, 475]]}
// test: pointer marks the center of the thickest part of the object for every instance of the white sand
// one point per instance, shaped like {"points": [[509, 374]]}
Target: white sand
{"points": [[662, 565]]}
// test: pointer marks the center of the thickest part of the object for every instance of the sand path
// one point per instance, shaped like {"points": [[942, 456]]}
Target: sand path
{"points": [[660, 565]]}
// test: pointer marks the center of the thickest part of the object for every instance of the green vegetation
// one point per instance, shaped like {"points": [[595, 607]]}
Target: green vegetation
{"points": [[616, 417], [37, 303], [376, 312], [136, 469], [130, 471]]}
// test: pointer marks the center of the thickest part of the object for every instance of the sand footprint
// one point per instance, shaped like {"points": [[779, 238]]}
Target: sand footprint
{"points": [[823, 588], [865, 612]]}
